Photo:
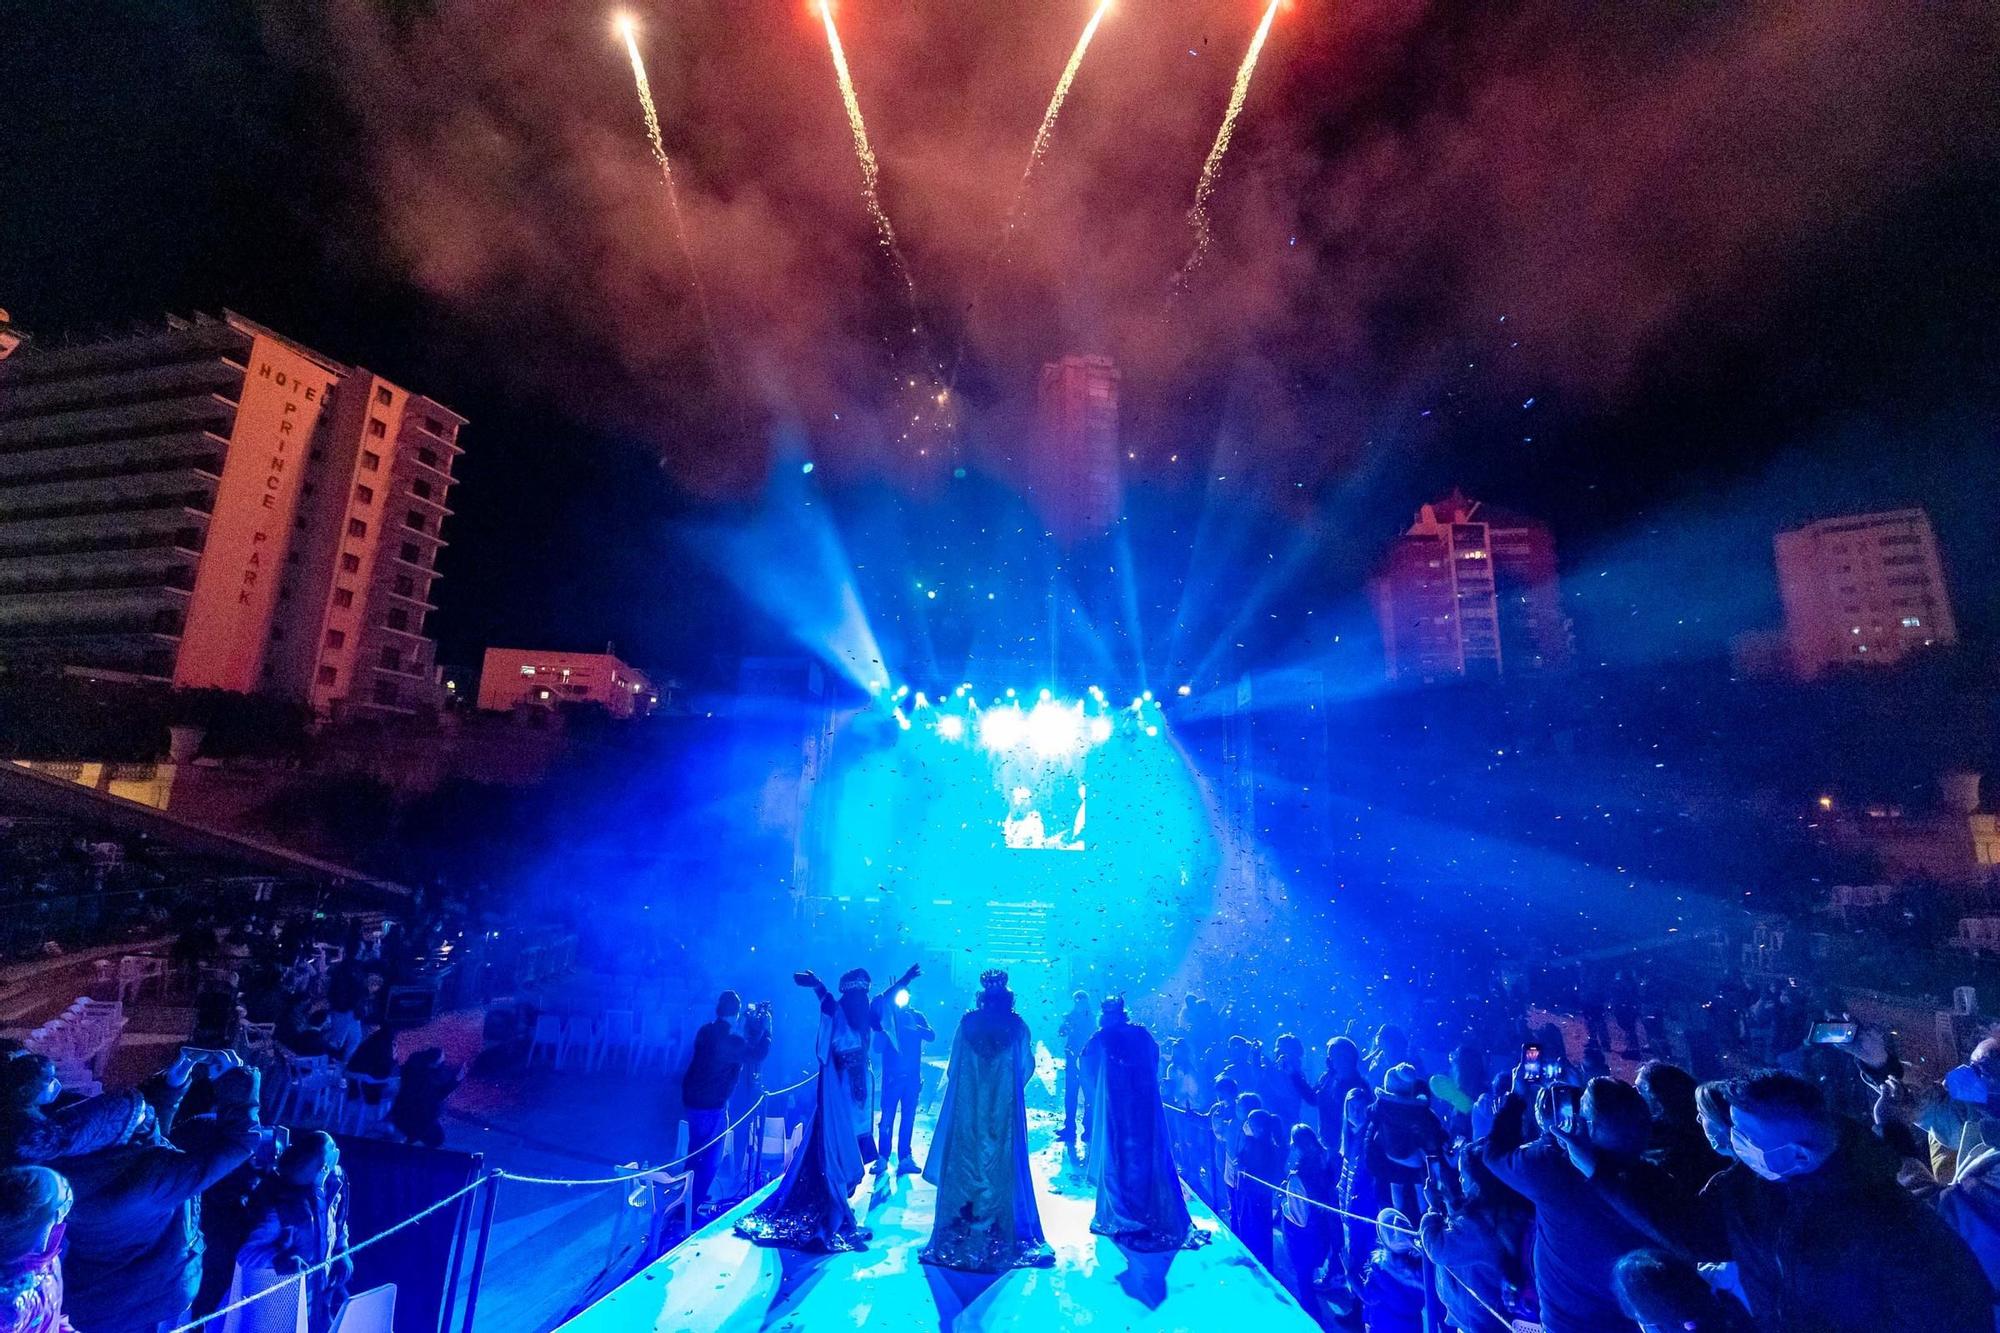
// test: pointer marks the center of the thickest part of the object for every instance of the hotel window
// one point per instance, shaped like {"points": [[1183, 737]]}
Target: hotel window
{"points": [[421, 489], [350, 563], [405, 585], [364, 495], [383, 396], [398, 618], [343, 597], [327, 675], [370, 461], [377, 428], [336, 638], [428, 457], [412, 554], [415, 520], [391, 660], [356, 528], [385, 693], [434, 426]]}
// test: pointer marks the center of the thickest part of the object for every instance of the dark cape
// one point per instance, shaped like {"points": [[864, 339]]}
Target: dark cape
{"points": [[1139, 1200]]}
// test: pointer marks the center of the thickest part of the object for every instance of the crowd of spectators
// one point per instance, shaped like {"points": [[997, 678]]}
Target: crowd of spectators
{"points": [[1498, 1174], [137, 1211]]}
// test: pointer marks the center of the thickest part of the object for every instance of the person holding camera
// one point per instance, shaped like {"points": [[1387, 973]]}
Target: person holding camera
{"points": [[750, 1087], [135, 1238], [720, 1049]]}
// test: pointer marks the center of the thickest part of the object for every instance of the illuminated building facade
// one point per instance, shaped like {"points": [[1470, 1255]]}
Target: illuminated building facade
{"points": [[1076, 429], [215, 506], [1470, 590], [1862, 590], [511, 677]]}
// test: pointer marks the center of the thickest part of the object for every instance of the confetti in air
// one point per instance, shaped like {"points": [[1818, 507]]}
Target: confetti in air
{"points": [[629, 31], [1205, 187]]}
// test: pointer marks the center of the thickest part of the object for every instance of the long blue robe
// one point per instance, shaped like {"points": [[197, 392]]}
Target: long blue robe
{"points": [[809, 1209], [1139, 1200], [987, 1220]]}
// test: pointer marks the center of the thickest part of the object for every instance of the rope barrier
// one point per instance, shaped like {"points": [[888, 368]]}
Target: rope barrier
{"points": [[1505, 1322], [494, 1177], [328, 1263], [690, 1155]]}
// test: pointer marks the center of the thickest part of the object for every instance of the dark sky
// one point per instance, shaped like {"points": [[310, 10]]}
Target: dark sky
{"points": [[1669, 274]]}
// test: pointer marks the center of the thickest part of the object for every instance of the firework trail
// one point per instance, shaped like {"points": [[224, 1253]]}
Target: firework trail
{"points": [[1041, 144], [652, 114], [1205, 187], [1036, 152], [870, 172]]}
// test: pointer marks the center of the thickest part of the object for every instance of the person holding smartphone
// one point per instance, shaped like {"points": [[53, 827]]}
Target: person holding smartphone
{"points": [[135, 1239], [1596, 1197]]}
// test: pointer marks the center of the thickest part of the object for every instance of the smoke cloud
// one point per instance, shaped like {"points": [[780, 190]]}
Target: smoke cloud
{"points": [[1405, 173]]}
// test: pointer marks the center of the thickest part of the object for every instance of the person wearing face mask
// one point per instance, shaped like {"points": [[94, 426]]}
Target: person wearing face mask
{"points": [[1961, 1122], [34, 1203], [135, 1238], [298, 1224], [1817, 1234]]}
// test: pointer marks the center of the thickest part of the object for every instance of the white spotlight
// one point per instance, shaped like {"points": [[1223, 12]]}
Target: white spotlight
{"points": [[951, 727]]}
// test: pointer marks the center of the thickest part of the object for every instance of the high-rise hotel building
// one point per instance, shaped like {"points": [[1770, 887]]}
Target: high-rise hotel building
{"points": [[1470, 590], [1862, 590], [214, 505], [1076, 426]]}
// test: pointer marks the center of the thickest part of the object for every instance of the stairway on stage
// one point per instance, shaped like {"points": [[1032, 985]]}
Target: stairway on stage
{"points": [[717, 1282]]}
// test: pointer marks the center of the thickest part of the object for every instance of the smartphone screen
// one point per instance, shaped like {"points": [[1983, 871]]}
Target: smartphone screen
{"points": [[1833, 1034]]}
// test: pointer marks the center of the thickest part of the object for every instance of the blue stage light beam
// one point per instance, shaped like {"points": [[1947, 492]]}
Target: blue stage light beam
{"points": [[789, 562]]}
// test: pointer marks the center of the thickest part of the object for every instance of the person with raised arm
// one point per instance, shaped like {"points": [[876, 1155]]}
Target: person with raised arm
{"points": [[809, 1209]]}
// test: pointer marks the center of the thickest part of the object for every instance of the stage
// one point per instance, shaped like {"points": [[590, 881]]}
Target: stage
{"points": [[718, 1282]]}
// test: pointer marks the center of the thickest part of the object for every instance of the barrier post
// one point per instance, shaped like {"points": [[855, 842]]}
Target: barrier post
{"points": [[479, 1256], [458, 1255]]}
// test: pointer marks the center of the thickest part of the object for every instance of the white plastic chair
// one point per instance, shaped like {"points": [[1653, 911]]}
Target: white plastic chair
{"points": [[772, 1138], [580, 1034], [548, 1036], [314, 1085], [280, 1312], [620, 1030], [355, 1099], [371, 1311]]}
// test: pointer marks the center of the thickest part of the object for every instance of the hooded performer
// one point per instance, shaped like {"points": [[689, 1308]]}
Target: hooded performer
{"points": [[1139, 1200], [987, 1221], [809, 1209]]}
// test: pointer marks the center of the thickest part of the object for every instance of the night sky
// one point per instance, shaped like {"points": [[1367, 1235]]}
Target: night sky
{"points": [[1670, 275]]}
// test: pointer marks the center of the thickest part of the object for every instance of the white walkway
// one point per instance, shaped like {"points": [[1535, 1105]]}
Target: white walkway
{"points": [[718, 1282]]}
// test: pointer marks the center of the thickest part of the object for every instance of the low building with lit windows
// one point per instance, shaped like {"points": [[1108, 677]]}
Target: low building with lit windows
{"points": [[525, 677]]}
